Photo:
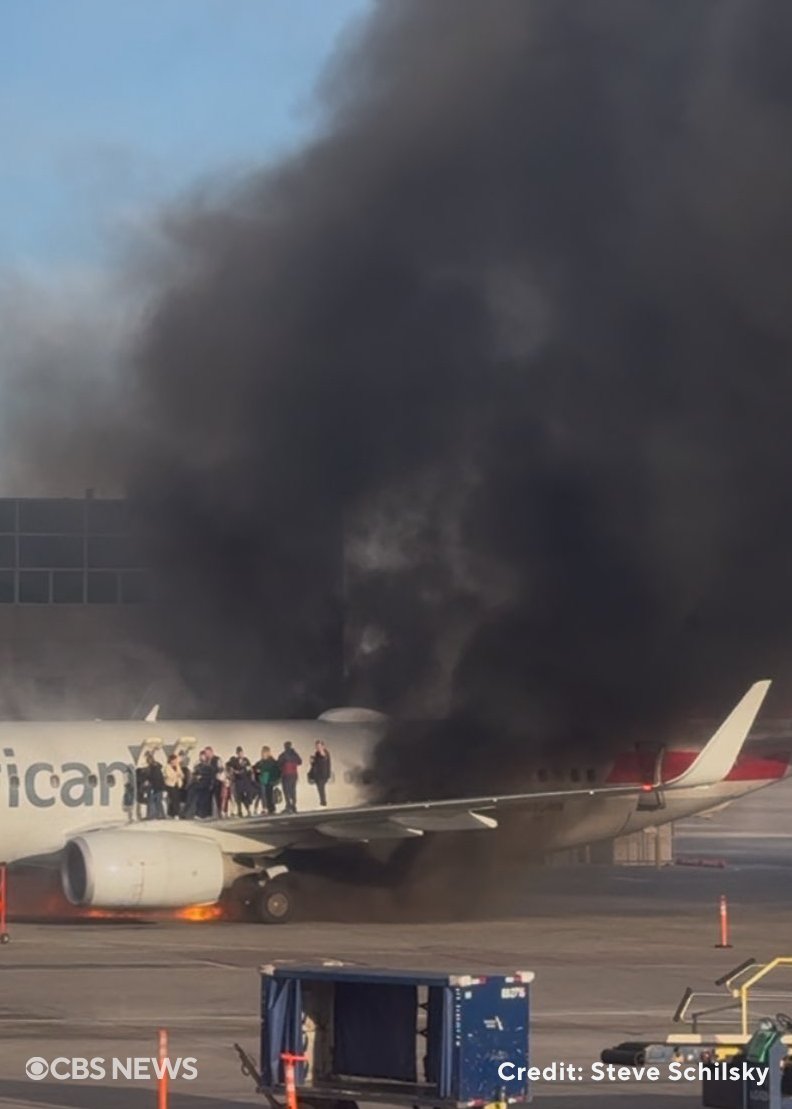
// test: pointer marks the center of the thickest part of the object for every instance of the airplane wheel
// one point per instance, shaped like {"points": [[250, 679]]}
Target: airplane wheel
{"points": [[5, 938], [275, 903]]}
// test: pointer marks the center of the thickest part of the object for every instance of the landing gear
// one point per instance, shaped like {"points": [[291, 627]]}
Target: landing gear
{"points": [[275, 902], [269, 896]]}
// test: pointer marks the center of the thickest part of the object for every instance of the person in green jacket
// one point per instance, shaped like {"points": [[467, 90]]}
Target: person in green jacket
{"points": [[267, 774]]}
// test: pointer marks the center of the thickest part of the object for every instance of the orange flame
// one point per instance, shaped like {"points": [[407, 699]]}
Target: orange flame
{"points": [[198, 913], [192, 913]]}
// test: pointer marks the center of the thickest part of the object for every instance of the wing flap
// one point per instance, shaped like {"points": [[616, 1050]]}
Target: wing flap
{"points": [[431, 821], [366, 830]]}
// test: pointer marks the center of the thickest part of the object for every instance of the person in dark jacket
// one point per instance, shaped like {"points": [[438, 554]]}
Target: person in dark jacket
{"points": [[288, 762], [240, 774], [320, 771], [202, 784], [184, 792], [155, 809], [267, 774], [219, 782]]}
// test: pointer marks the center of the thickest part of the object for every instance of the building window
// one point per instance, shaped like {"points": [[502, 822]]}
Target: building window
{"points": [[34, 587], [68, 587], [107, 517], [7, 587], [102, 589], [112, 552], [7, 515], [7, 550], [54, 516], [51, 551], [133, 588]]}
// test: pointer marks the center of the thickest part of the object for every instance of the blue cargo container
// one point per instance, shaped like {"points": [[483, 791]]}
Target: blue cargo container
{"points": [[396, 1036]]}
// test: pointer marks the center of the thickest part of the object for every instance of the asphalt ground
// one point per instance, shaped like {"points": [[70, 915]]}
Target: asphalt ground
{"points": [[612, 949]]}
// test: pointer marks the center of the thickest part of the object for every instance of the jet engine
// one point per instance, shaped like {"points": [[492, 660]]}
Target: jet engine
{"points": [[142, 870]]}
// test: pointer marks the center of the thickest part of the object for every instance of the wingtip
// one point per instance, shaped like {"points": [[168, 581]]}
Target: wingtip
{"points": [[717, 757]]}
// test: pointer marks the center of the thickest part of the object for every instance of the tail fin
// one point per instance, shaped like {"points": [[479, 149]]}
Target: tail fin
{"points": [[718, 756]]}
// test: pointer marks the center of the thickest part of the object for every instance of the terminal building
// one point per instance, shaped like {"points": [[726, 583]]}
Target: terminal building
{"points": [[72, 591], [88, 630]]}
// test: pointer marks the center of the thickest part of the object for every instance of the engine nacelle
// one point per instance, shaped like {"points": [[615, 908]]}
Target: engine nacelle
{"points": [[141, 870]]}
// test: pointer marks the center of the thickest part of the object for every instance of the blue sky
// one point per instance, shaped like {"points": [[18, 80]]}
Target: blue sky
{"points": [[110, 107]]}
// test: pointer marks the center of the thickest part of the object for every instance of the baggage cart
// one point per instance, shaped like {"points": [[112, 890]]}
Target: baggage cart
{"points": [[419, 1038]]}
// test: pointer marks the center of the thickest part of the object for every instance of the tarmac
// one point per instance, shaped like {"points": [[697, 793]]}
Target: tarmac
{"points": [[612, 949]]}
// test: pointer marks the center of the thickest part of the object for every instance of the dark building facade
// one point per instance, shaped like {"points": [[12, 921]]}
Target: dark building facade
{"points": [[69, 551], [88, 629]]}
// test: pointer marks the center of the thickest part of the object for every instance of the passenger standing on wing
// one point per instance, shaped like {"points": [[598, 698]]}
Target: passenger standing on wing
{"points": [[240, 773], [267, 774], [156, 794], [174, 780], [203, 782], [184, 791], [142, 790], [218, 780], [288, 762], [320, 771]]}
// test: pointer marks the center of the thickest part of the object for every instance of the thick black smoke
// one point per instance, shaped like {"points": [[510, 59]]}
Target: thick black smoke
{"points": [[517, 326]]}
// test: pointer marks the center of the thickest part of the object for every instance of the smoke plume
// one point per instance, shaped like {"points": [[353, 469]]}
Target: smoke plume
{"points": [[512, 332]]}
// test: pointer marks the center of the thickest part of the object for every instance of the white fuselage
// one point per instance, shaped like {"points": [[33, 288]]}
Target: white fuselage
{"points": [[57, 779], [60, 779]]}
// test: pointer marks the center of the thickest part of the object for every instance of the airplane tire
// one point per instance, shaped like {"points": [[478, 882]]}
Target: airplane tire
{"points": [[275, 902]]}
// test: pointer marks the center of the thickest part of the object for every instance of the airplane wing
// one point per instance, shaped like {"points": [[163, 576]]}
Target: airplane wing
{"points": [[401, 821], [365, 823]]}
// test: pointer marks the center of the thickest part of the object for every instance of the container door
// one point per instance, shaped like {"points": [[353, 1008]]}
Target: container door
{"points": [[491, 1027]]}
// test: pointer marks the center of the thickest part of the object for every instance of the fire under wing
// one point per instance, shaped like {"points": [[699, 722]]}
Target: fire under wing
{"points": [[366, 823]]}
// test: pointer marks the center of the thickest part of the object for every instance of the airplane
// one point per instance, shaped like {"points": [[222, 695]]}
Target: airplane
{"points": [[66, 790]]}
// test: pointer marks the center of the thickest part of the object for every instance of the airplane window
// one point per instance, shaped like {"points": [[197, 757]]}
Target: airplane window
{"points": [[558, 775], [591, 775], [574, 775], [54, 781], [542, 775]]}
